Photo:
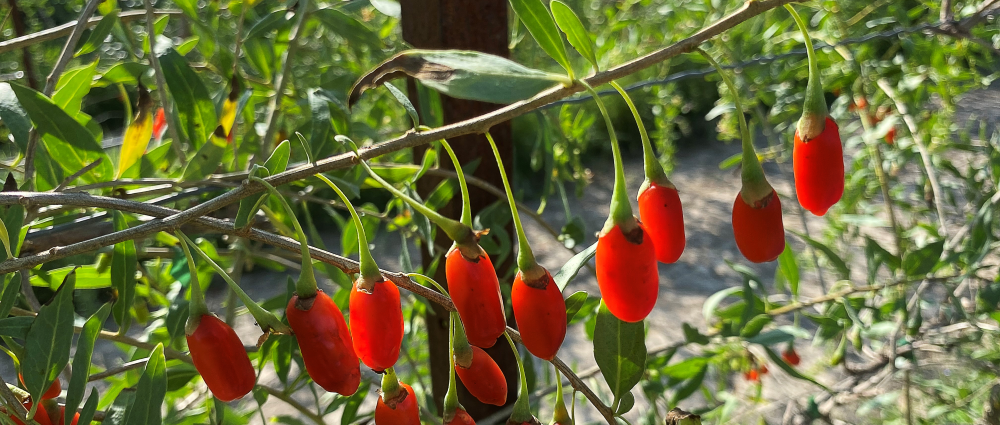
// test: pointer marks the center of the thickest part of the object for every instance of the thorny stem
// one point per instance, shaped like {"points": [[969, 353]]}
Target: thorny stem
{"points": [[466, 205], [306, 286], [755, 185], [652, 166], [522, 409], [621, 209], [198, 306], [265, 319], [814, 111], [370, 273], [525, 258]]}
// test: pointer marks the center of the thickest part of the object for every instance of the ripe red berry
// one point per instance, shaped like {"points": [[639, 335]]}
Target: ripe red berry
{"points": [[377, 324], [626, 273], [221, 360], [890, 136], [791, 357], [159, 124], [461, 418], [41, 415], [54, 390], [540, 312], [660, 209], [399, 410], [762, 370], [62, 417], [759, 232], [751, 375], [484, 379], [475, 290], [819, 169], [325, 341]]}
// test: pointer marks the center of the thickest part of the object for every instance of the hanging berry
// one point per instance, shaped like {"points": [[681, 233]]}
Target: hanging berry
{"points": [[818, 154], [54, 390], [216, 350], [319, 326], [539, 307], [626, 256], [659, 203], [472, 280], [453, 413], [757, 224], [790, 356], [376, 313], [41, 415], [397, 405], [483, 378]]}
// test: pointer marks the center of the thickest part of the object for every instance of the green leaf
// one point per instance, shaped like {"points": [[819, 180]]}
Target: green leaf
{"points": [[692, 335], [923, 260], [47, 344], [16, 327], [319, 105], [205, 161], [118, 412], [276, 163], [576, 33], [539, 22], [776, 359], [87, 414], [573, 266], [5, 239], [838, 263], [11, 288], [788, 269], [755, 325], [195, 109], [123, 267], [98, 34], [573, 304], [69, 143], [712, 303], [73, 85], [626, 404], [87, 277], [268, 23], [355, 32], [620, 351], [14, 117], [152, 388], [81, 362], [405, 101], [771, 337], [353, 403], [461, 74], [686, 368]]}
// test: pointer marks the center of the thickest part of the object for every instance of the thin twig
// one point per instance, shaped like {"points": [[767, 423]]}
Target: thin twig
{"points": [[134, 364], [77, 175], [67, 28], [161, 85], [293, 402]]}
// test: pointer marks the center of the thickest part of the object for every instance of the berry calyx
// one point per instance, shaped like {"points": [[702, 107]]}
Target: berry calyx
{"points": [[397, 404]]}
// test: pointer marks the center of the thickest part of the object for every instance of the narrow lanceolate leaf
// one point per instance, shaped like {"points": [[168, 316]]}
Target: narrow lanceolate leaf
{"points": [[195, 110], [137, 134], [14, 117], [573, 266], [405, 101], [461, 74], [5, 239], [69, 143], [98, 34], [152, 388], [11, 287], [576, 33], [87, 414], [574, 303], [319, 106], [81, 362], [276, 163], [208, 157], [788, 269], [73, 85], [46, 347], [776, 359], [117, 414], [123, 267], [16, 327], [620, 351], [539, 22]]}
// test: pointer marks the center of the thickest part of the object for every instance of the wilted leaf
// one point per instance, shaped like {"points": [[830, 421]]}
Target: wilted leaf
{"points": [[137, 134]]}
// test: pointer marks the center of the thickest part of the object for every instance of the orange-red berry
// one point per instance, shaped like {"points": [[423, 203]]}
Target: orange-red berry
{"points": [[484, 379], [819, 169], [377, 324], [663, 218], [399, 410], [325, 342], [221, 360], [475, 290], [759, 231], [627, 274], [540, 312]]}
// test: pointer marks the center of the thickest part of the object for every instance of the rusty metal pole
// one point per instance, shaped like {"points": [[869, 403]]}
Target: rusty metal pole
{"points": [[479, 25]]}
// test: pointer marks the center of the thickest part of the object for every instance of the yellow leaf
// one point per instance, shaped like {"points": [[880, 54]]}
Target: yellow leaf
{"points": [[137, 134], [229, 107]]}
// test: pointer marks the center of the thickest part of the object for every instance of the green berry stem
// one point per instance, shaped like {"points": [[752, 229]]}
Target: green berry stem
{"points": [[198, 306], [755, 185], [265, 319], [652, 166], [466, 205], [462, 350], [522, 408], [621, 209], [525, 258], [560, 415], [370, 273], [457, 231], [390, 384], [814, 111], [306, 286], [451, 397]]}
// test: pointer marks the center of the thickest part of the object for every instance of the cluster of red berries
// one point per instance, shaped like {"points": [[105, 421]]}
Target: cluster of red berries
{"points": [[47, 409], [757, 371]]}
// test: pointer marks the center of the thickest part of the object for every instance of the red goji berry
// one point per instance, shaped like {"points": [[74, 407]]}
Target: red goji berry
{"points": [[890, 136], [325, 342], [661, 213], [399, 410], [540, 313], [762, 370], [627, 274], [475, 290], [221, 360], [159, 124], [377, 324], [759, 231], [751, 375], [54, 390], [484, 379], [819, 169], [62, 417], [41, 415], [791, 357], [461, 418]]}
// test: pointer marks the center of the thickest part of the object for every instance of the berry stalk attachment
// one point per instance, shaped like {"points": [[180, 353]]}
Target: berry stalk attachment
{"points": [[539, 307], [626, 256], [397, 404], [375, 310], [522, 408], [757, 224]]}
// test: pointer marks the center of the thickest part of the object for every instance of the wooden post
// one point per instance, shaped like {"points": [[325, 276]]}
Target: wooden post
{"points": [[479, 25]]}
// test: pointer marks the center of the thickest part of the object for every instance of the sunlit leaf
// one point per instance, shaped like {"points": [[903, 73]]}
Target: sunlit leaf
{"points": [[539, 22], [137, 134], [98, 34], [620, 351], [47, 344], [123, 267]]}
